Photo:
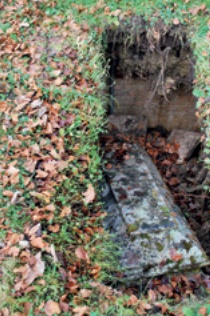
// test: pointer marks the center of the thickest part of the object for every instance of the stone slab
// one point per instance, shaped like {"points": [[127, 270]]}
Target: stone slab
{"points": [[129, 123], [187, 142], [154, 235]]}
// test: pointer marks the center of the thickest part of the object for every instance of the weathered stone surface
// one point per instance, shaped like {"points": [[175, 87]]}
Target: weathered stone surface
{"points": [[187, 142], [129, 123], [154, 236], [131, 98]]}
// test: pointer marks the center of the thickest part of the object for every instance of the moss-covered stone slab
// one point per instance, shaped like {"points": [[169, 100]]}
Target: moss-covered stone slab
{"points": [[154, 236]]}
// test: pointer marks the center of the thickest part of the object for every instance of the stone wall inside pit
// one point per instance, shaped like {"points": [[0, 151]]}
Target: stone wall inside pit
{"points": [[151, 70], [131, 95]]}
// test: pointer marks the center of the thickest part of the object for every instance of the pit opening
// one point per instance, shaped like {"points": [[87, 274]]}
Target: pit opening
{"points": [[151, 103], [151, 75]]}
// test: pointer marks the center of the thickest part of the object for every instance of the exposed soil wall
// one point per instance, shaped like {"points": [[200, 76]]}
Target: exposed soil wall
{"points": [[152, 75]]}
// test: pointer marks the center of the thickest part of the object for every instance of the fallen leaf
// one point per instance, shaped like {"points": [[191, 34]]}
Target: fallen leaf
{"points": [[38, 243], [54, 228], [52, 308], [58, 81], [176, 21], [163, 307], [8, 193], [3, 106], [30, 272], [151, 296], [34, 229], [65, 211], [5, 312], [81, 253], [36, 103], [81, 310], [133, 300], [41, 174], [85, 293], [202, 311], [89, 194]]}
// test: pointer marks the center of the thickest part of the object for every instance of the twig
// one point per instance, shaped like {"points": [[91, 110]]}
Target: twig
{"points": [[193, 195], [165, 54]]}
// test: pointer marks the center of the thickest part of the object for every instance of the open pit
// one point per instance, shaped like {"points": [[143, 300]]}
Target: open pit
{"points": [[152, 106]]}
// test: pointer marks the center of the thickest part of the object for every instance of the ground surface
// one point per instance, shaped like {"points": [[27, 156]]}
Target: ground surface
{"points": [[55, 256]]}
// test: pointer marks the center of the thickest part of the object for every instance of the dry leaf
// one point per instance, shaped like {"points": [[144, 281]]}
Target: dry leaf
{"points": [[81, 310], [30, 272], [85, 293], [81, 253], [54, 228], [58, 81], [133, 300], [3, 106], [41, 174], [89, 194], [38, 242], [5, 312], [176, 21], [52, 308], [36, 103], [34, 229], [65, 211], [202, 311]]}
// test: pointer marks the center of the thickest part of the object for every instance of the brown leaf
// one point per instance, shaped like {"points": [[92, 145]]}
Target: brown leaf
{"points": [[164, 289], [163, 307], [115, 13], [85, 293], [65, 211], [27, 308], [41, 174], [133, 300], [81, 253], [30, 165], [13, 239], [151, 296], [58, 81], [30, 272], [3, 106], [5, 312], [54, 228], [81, 310], [38, 242], [89, 194], [52, 308], [8, 193], [64, 306], [202, 311], [32, 231], [14, 251], [176, 21]]}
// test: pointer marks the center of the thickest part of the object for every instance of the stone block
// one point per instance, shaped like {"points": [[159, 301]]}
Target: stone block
{"points": [[187, 142], [154, 236], [129, 124]]}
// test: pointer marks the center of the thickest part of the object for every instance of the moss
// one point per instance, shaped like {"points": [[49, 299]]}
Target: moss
{"points": [[159, 246], [132, 227], [165, 209], [145, 236], [187, 245]]}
